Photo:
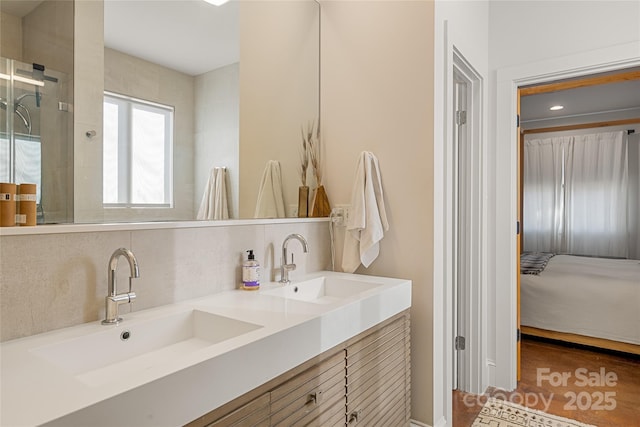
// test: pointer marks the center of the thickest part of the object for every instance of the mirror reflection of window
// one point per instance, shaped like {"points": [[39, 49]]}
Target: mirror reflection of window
{"points": [[5, 153], [28, 151], [137, 148]]}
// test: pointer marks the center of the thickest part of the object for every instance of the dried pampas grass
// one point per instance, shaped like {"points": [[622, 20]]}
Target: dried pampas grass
{"points": [[315, 151], [304, 160]]}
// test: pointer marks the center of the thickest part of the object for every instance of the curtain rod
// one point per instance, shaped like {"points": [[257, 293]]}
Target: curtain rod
{"points": [[581, 126]]}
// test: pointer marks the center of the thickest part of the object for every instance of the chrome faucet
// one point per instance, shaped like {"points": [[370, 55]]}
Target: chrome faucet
{"points": [[286, 268], [113, 300]]}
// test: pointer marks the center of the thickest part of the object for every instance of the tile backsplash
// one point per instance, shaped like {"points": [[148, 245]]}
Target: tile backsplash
{"points": [[51, 281]]}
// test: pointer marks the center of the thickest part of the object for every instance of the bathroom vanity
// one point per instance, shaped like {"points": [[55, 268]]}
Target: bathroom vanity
{"points": [[327, 349], [363, 381]]}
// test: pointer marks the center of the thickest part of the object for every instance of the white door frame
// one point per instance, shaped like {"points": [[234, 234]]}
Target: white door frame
{"points": [[505, 149], [459, 134], [468, 240], [442, 373], [443, 236]]}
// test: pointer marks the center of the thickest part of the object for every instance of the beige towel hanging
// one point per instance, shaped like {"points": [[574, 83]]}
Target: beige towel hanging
{"points": [[368, 218], [270, 203], [214, 204]]}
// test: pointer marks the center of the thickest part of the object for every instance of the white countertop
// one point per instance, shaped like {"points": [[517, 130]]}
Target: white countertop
{"points": [[35, 391]]}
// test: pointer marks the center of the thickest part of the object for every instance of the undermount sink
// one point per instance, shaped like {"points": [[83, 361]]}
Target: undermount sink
{"points": [[117, 351], [323, 290]]}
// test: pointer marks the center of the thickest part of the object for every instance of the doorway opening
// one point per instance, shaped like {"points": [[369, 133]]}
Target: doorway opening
{"points": [[604, 114]]}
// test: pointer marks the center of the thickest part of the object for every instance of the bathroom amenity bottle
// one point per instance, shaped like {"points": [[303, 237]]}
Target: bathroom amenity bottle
{"points": [[26, 204], [251, 273]]}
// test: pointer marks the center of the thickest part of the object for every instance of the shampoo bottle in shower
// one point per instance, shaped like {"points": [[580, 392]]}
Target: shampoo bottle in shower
{"points": [[251, 273]]}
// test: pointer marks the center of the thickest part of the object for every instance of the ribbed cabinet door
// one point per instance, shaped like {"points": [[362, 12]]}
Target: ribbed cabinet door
{"points": [[379, 376]]}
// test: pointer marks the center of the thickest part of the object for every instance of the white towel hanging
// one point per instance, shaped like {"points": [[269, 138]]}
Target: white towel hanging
{"points": [[270, 203], [214, 203], [368, 218]]}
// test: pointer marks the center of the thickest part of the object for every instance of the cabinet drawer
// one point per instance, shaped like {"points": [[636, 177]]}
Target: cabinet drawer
{"points": [[394, 346], [304, 382], [253, 414], [372, 342], [310, 393], [330, 413]]}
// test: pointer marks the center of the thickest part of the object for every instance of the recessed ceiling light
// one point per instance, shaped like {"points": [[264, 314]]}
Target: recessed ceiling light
{"points": [[556, 107], [217, 2]]}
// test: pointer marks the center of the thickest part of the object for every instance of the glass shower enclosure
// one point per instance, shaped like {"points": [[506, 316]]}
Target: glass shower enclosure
{"points": [[35, 146]]}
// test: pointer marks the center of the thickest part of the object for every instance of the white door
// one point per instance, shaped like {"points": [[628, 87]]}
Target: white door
{"points": [[466, 229], [460, 232]]}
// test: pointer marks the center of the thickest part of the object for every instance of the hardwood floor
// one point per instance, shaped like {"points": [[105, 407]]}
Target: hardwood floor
{"points": [[590, 386]]}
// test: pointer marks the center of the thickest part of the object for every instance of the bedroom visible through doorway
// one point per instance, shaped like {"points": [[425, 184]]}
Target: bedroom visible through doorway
{"points": [[579, 168], [579, 200]]}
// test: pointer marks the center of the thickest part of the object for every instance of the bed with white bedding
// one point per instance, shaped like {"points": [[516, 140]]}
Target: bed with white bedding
{"points": [[590, 297]]}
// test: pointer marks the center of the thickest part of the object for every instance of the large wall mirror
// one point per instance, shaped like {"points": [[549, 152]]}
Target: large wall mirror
{"points": [[190, 89], [36, 97]]}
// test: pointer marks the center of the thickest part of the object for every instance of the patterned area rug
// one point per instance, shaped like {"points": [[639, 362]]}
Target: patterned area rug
{"points": [[500, 413]]}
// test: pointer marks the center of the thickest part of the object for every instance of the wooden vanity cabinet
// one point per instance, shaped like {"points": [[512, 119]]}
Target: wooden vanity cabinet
{"points": [[364, 381], [378, 376]]}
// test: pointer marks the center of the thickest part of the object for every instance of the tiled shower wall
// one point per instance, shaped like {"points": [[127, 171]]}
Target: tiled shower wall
{"points": [[51, 281]]}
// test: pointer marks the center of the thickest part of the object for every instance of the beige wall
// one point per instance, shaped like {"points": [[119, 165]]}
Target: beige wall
{"points": [[377, 95], [10, 36], [88, 89], [278, 91], [217, 137], [48, 35]]}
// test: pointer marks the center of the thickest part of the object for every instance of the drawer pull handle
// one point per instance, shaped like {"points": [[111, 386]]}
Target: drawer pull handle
{"points": [[354, 416], [314, 398]]}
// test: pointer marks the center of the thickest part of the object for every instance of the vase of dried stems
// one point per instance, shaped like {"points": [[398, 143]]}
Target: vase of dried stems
{"points": [[303, 201], [321, 206]]}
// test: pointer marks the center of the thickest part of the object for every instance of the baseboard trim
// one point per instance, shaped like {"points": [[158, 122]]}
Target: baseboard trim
{"points": [[491, 371], [414, 423]]}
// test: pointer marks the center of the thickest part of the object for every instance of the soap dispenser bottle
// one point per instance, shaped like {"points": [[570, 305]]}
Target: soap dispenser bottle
{"points": [[251, 273]]}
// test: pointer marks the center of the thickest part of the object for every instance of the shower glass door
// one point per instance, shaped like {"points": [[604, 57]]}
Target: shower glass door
{"points": [[6, 121], [34, 129]]}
